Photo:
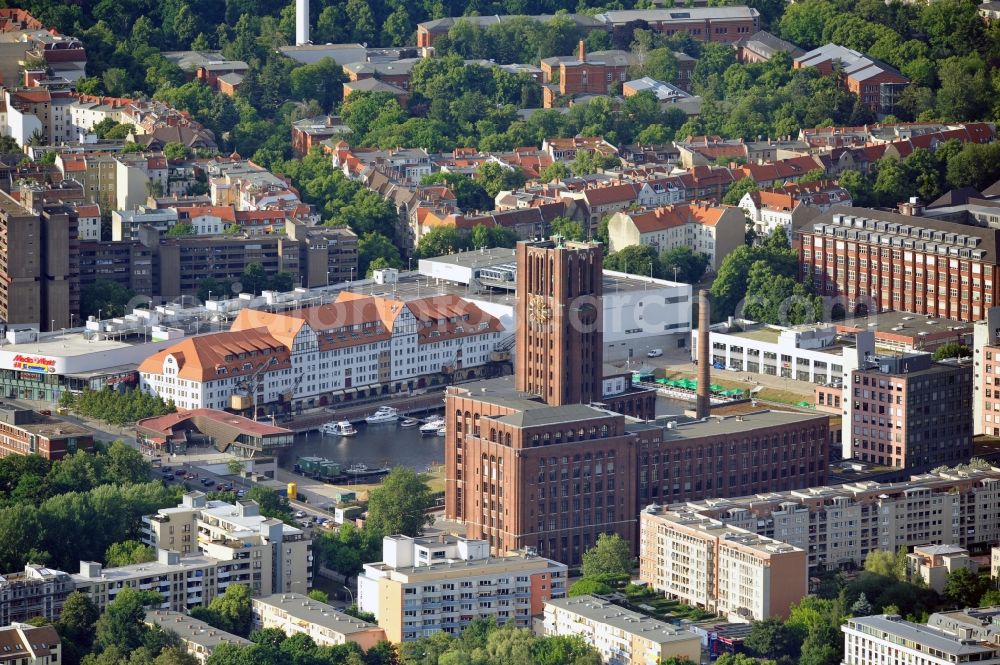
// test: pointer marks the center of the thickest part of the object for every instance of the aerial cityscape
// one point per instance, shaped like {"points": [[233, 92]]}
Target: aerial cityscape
{"points": [[355, 332]]}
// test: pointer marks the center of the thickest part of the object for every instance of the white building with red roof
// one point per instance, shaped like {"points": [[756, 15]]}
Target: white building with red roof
{"points": [[707, 229], [357, 346]]}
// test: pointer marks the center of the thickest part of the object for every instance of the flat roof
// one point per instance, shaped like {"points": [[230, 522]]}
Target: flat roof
{"points": [[922, 635], [748, 422], [192, 630], [71, 344], [910, 324], [455, 567], [492, 258], [306, 609], [633, 623], [147, 569]]}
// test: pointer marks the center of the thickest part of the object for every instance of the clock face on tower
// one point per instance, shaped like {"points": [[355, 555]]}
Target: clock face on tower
{"points": [[538, 310]]}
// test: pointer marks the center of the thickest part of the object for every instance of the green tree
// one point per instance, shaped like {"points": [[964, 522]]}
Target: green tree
{"points": [[611, 554], [496, 177], [965, 588], [690, 265], [176, 151], [805, 22], [634, 260], [735, 193], [952, 350], [271, 503], [660, 64], [470, 194], [372, 246], [772, 638], [319, 596], [442, 240], [128, 552], [231, 612], [400, 504], [861, 607], [554, 171], [122, 625], [322, 80], [567, 228], [588, 586], [104, 295], [180, 230]]}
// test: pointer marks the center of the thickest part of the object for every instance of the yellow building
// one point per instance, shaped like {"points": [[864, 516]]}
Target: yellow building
{"points": [[294, 613], [619, 635]]}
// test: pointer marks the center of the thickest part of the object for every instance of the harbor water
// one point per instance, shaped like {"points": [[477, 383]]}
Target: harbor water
{"points": [[387, 444]]}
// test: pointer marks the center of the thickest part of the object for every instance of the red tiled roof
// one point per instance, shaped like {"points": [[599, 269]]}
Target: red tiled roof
{"points": [[200, 358]]}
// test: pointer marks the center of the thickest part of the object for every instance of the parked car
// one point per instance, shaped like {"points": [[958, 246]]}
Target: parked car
{"points": [[300, 514], [654, 353], [218, 487], [206, 481]]}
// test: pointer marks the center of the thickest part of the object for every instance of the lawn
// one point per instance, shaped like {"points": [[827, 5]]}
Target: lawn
{"points": [[653, 603]]}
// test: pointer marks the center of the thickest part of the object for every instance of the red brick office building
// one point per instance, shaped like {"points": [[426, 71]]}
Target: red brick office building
{"points": [[882, 261], [548, 460]]}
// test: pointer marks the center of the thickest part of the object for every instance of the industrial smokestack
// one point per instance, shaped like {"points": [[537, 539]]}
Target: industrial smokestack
{"points": [[301, 22], [704, 404]]}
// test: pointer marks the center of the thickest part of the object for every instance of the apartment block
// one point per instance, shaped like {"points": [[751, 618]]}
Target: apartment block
{"points": [[986, 374], [263, 553], [888, 639], [294, 613], [879, 261], [705, 563], [622, 637], [36, 592], [934, 563], [358, 346], [714, 231], [434, 583], [839, 525], [182, 582], [199, 638], [876, 83], [24, 644], [906, 411]]}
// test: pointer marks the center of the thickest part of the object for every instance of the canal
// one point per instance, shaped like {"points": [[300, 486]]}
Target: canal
{"points": [[389, 445]]}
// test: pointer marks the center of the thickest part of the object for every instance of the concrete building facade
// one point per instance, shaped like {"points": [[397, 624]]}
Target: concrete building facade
{"points": [[295, 613], [265, 554], [619, 635], [443, 583], [719, 568]]}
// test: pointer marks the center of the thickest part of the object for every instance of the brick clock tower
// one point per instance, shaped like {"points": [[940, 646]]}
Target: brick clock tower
{"points": [[560, 344]]}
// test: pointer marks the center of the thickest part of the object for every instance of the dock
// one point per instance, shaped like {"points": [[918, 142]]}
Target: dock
{"points": [[408, 407]]}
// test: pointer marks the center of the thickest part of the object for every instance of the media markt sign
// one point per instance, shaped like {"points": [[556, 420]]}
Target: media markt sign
{"points": [[35, 364]]}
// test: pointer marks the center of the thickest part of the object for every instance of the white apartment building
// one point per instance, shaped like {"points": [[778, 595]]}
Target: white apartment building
{"points": [[183, 582], [125, 223], [429, 584], [711, 230], [199, 638], [621, 636], [705, 563], [888, 639], [263, 553], [357, 346], [839, 525], [88, 226], [294, 613]]}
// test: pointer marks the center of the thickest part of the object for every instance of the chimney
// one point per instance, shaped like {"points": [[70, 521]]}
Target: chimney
{"points": [[704, 403], [301, 22], [582, 54]]}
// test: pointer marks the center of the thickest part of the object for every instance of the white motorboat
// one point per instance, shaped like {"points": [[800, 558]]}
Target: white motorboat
{"points": [[340, 428], [384, 414], [431, 427], [408, 423], [442, 431]]}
